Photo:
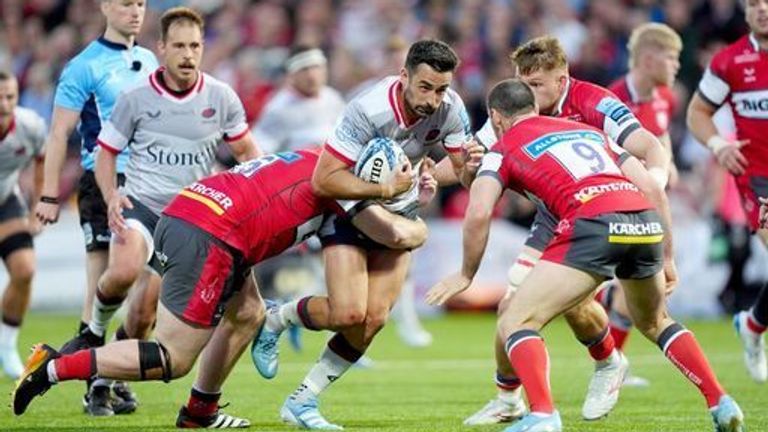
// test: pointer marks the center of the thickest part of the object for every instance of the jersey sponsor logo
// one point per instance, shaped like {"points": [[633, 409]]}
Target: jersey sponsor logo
{"points": [[749, 75], [173, 158], [635, 233], [587, 193], [346, 131], [213, 198], [751, 104], [153, 115], [614, 108], [541, 145], [747, 57]]}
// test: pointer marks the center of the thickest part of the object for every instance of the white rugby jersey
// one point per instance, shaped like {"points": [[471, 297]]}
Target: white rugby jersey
{"points": [[173, 137], [291, 121], [23, 141], [377, 113]]}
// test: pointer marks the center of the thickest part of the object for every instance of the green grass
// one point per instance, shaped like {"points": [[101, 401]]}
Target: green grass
{"points": [[419, 390]]}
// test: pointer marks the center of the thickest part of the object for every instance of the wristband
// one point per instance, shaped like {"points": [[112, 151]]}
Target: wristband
{"points": [[717, 143], [49, 200], [659, 175]]}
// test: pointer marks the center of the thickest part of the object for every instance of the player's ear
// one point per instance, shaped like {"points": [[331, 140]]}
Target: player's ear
{"points": [[404, 76]]}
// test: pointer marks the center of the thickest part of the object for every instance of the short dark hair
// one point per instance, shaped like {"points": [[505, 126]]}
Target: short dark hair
{"points": [[175, 14], [436, 54], [5, 75], [511, 97]]}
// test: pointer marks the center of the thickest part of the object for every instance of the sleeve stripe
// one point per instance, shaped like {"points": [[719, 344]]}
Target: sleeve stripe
{"points": [[626, 132], [490, 173], [236, 137], [707, 100], [714, 87], [108, 147], [338, 155], [453, 149], [623, 158]]}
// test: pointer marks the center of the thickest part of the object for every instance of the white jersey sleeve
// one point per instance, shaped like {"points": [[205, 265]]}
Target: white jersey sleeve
{"points": [[714, 88], [235, 126], [486, 136], [352, 132], [118, 130]]}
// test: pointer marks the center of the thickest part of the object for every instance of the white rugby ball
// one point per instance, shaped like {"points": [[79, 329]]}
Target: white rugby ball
{"points": [[378, 160]]}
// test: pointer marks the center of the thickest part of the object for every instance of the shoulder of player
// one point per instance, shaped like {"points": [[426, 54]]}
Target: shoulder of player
{"points": [[27, 118], [217, 86], [619, 88], [727, 56]]}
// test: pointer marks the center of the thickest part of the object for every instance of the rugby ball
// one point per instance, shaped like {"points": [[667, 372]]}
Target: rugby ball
{"points": [[377, 163], [378, 160]]}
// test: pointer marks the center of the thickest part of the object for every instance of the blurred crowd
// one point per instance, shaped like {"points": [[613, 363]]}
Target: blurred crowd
{"points": [[247, 42]]}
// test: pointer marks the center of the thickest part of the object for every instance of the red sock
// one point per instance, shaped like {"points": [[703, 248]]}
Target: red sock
{"points": [[80, 365], [202, 404], [619, 336], [753, 325], [601, 347], [681, 347], [529, 358]]}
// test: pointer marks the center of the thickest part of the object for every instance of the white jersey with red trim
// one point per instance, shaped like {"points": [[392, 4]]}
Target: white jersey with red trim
{"points": [[738, 75], [292, 121], [378, 112], [173, 136], [20, 143]]}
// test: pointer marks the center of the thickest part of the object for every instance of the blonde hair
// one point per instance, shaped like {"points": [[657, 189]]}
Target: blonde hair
{"points": [[542, 53], [654, 36]]}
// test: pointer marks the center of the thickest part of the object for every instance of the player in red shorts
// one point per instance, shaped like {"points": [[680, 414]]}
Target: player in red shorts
{"points": [[738, 75], [604, 202], [542, 64], [206, 242], [654, 52]]}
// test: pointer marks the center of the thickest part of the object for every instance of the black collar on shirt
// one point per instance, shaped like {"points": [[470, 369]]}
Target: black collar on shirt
{"points": [[113, 45]]}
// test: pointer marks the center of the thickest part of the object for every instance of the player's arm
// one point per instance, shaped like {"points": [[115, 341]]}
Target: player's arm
{"points": [[63, 123], [483, 195], [460, 167], [389, 229], [701, 125], [646, 147], [333, 179], [244, 148]]}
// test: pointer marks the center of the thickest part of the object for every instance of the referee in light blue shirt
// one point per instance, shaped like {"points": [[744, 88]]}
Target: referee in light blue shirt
{"points": [[85, 95]]}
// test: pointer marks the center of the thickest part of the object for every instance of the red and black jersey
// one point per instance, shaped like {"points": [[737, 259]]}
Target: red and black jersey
{"points": [[655, 113]]}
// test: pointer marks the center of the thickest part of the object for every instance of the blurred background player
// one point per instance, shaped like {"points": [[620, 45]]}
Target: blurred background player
{"points": [[172, 122], [654, 52], [22, 135], [542, 64], [85, 96], [738, 75]]}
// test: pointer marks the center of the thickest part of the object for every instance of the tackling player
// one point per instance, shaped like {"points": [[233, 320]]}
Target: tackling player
{"points": [[738, 75], [542, 64], [206, 242], [22, 135], [654, 52], [85, 95], [417, 110], [604, 201], [172, 122]]}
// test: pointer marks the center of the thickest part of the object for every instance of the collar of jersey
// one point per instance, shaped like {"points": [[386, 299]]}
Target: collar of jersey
{"points": [[633, 91], [10, 129], [113, 45], [396, 102], [561, 102], [169, 94]]}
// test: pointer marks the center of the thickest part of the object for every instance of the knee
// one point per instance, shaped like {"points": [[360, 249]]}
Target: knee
{"points": [[348, 317], [512, 321], [376, 321], [21, 274], [122, 276]]}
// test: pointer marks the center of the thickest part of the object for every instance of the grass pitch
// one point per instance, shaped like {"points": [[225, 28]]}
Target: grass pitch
{"points": [[431, 389]]}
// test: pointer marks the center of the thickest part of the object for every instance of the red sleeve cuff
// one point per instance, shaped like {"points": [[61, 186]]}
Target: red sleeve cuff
{"points": [[453, 149], [338, 155], [236, 137], [107, 147]]}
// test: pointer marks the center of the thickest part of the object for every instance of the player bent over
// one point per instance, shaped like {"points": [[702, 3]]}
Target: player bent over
{"points": [[22, 138], [206, 242], [607, 225]]}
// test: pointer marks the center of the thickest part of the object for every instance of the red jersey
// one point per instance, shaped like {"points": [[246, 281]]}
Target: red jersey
{"points": [[586, 103], [655, 113], [569, 168], [260, 207], [738, 75]]}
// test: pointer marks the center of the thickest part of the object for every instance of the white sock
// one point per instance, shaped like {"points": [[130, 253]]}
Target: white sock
{"points": [[101, 315], [286, 315], [509, 397], [9, 335], [328, 369], [51, 369]]}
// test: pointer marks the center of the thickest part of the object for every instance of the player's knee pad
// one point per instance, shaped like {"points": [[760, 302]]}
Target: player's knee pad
{"points": [[519, 271], [14, 242], [153, 355]]}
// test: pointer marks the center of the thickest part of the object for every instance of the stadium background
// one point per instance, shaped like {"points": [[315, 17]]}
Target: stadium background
{"points": [[247, 42], [419, 390]]}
